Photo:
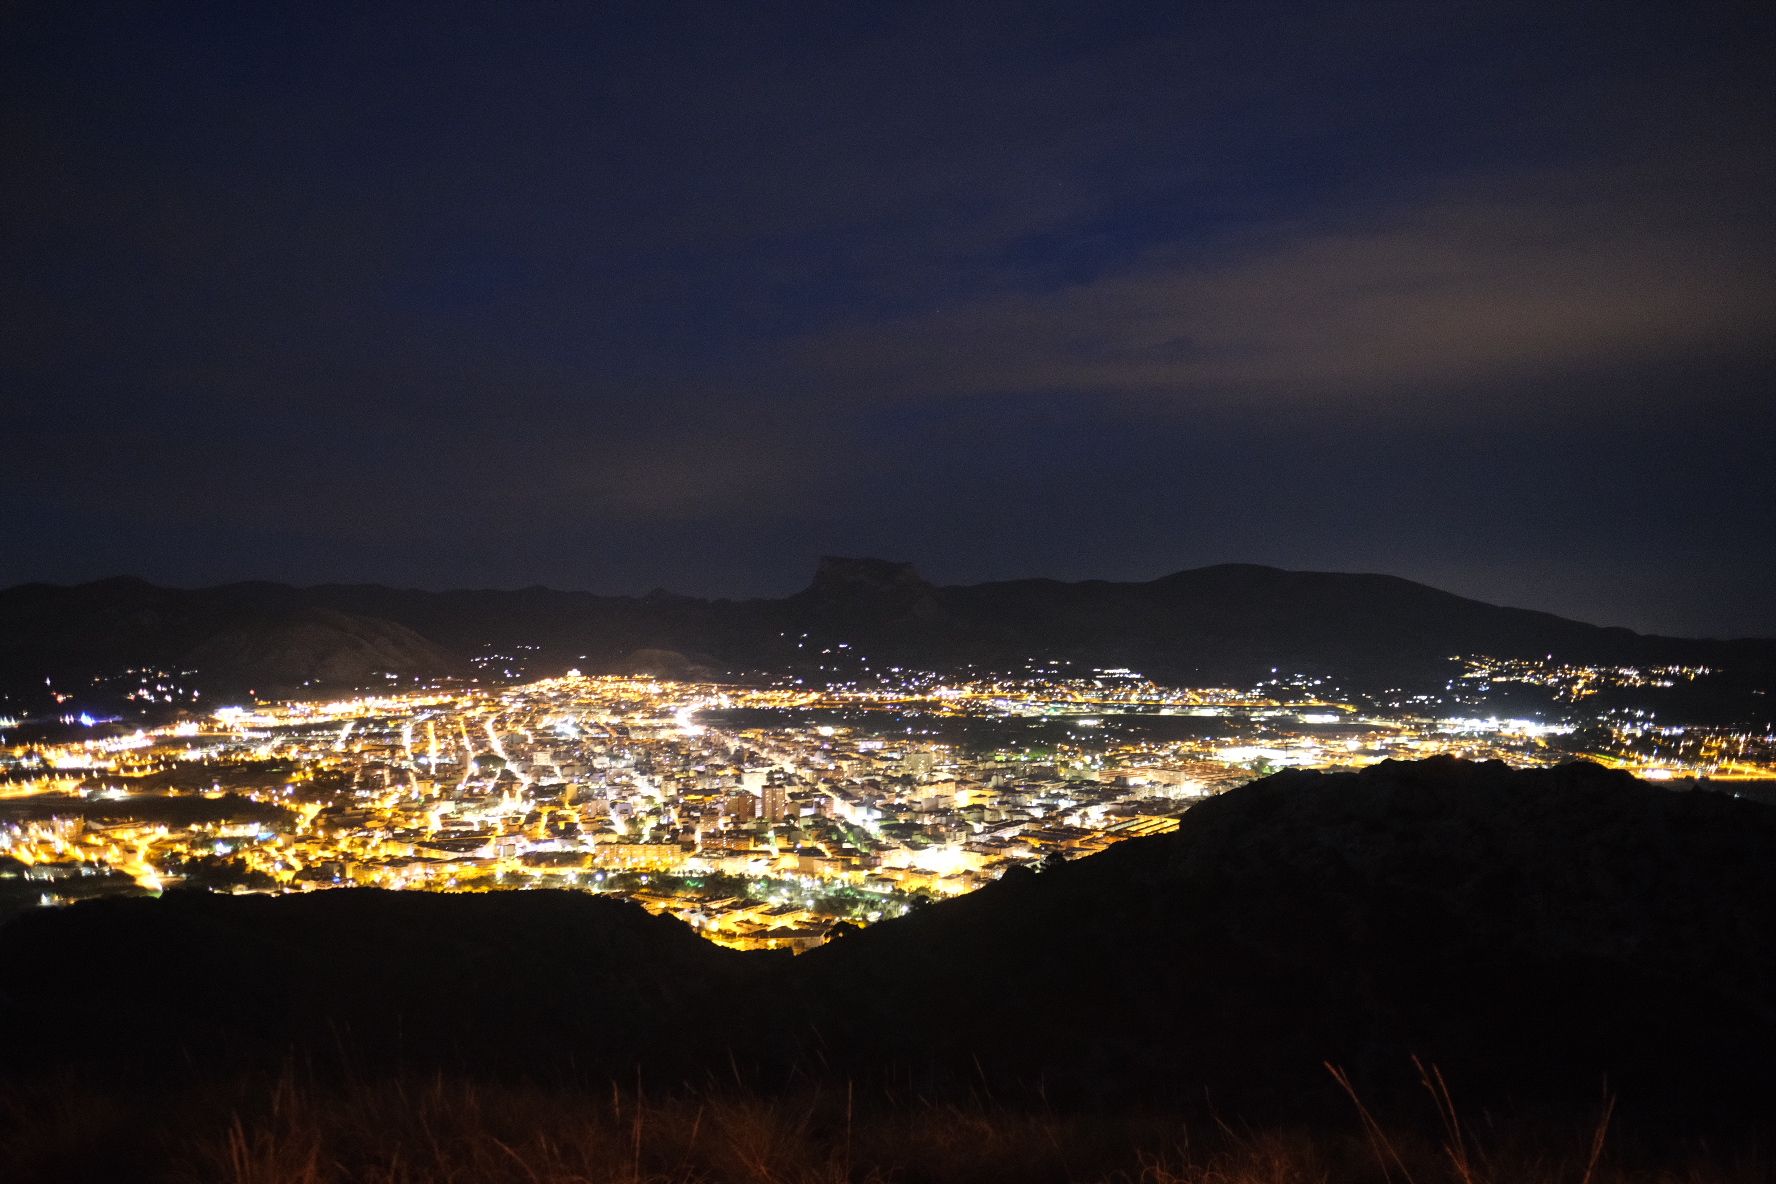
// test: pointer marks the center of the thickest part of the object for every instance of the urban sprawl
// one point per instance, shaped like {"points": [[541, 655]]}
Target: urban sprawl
{"points": [[764, 816]]}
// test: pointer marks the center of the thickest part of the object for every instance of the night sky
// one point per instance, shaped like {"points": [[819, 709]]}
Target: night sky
{"points": [[615, 296]]}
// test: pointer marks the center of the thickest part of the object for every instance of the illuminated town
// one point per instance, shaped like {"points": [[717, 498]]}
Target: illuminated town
{"points": [[763, 815]]}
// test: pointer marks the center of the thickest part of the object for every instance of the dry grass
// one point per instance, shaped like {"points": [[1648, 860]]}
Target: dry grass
{"points": [[282, 1130]]}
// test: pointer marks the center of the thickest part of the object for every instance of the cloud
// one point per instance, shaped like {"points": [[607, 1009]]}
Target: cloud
{"points": [[695, 471], [1460, 292]]}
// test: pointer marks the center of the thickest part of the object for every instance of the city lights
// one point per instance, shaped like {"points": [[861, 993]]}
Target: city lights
{"points": [[759, 814]]}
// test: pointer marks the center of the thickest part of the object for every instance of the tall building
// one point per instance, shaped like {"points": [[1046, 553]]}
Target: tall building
{"points": [[776, 802]]}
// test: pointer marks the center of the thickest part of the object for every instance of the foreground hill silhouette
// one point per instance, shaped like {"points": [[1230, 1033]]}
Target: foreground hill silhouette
{"points": [[1531, 933], [1227, 623]]}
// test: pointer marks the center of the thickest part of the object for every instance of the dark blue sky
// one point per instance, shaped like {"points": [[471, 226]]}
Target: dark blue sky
{"points": [[615, 296]]}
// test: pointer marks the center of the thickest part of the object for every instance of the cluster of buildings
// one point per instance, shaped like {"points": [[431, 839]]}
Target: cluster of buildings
{"points": [[762, 816]]}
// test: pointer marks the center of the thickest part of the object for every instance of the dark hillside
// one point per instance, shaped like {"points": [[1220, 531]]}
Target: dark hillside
{"points": [[515, 984], [1228, 624], [1532, 933]]}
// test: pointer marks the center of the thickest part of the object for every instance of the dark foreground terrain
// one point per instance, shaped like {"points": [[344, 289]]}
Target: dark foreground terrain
{"points": [[1492, 960]]}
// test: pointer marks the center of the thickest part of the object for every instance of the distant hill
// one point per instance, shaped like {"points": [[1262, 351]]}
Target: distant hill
{"points": [[265, 637], [314, 646], [1532, 933], [1228, 623]]}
